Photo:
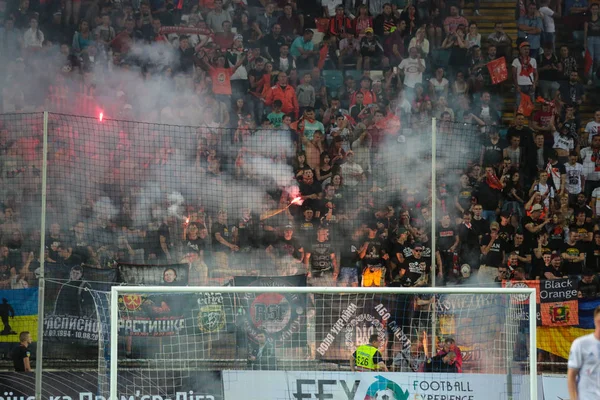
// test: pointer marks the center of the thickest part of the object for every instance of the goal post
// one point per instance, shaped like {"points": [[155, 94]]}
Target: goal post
{"points": [[481, 306]]}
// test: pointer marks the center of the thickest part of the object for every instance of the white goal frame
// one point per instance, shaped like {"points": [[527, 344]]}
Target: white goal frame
{"points": [[120, 290]]}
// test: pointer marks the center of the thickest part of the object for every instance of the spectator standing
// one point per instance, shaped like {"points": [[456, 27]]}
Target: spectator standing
{"points": [[530, 29], [591, 36], [590, 157], [21, 356], [501, 40], [525, 73], [216, 17], [548, 16]]}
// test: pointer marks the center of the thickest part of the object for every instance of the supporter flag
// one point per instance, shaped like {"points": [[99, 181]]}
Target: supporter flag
{"points": [[526, 106], [18, 313], [588, 62], [564, 313], [498, 71]]}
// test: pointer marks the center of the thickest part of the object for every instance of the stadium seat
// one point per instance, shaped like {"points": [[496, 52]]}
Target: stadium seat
{"points": [[356, 74], [376, 75], [578, 37], [334, 79]]}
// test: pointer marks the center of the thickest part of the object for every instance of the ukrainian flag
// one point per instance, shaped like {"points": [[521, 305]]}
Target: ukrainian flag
{"points": [[18, 310]]}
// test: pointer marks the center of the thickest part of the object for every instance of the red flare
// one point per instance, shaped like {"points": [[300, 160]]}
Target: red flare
{"points": [[297, 200], [101, 116]]}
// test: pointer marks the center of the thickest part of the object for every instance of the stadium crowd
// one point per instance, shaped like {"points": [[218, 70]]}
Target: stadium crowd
{"points": [[341, 80]]}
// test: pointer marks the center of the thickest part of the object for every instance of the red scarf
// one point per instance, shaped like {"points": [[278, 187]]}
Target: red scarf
{"points": [[526, 67]]}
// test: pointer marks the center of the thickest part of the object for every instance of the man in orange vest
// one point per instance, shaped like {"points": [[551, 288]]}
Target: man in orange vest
{"points": [[286, 94]]}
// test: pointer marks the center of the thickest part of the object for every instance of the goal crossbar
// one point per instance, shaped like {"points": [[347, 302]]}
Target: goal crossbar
{"points": [[124, 289]]}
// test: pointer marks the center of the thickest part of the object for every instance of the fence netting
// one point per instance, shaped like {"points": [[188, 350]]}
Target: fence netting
{"points": [[153, 204]]}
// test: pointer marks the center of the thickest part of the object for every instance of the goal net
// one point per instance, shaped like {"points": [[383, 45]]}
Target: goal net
{"points": [[276, 341]]}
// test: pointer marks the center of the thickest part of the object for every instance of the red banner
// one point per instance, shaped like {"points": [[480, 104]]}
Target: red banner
{"points": [[498, 71]]}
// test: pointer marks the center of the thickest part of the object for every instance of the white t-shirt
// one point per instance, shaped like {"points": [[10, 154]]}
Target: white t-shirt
{"points": [[331, 5], [574, 173], [547, 14], [412, 75], [563, 142], [596, 195], [524, 80], [591, 164], [592, 128], [585, 356]]}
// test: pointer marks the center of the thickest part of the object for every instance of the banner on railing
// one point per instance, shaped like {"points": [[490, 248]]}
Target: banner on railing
{"points": [[71, 320], [281, 316], [260, 385], [167, 385]]}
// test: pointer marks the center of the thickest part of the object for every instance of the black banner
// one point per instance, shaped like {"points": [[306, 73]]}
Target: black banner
{"points": [[160, 385], [71, 323], [280, 316], [151, 275], [213, 312], [347, 321], [557, 290]]}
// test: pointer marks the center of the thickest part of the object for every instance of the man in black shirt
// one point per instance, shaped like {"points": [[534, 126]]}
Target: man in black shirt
{"points": [[592, 260], [287, 253], [589, 286], [481, 226], [492, 249], [442, 363], [374, 258], [469, 242], [21, 354], [507, 231], [534, 225], [522, 251], [416, 268], [222, 242], [6, 311], [524, 132], [272, 42], [320, 260], [573, 253], [447, 243], [582, 205]]}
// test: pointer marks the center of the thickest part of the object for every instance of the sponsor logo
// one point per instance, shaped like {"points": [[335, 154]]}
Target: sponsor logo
{"points": [[385, 389]]}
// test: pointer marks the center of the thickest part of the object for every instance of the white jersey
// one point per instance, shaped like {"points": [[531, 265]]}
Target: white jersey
{"points": [[585, 356], [574, 173]]}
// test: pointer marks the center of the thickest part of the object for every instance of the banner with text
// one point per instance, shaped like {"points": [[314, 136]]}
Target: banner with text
{"points": [[346, 321], [71, 321], [556, 298], [293, 385], [166, 385]]}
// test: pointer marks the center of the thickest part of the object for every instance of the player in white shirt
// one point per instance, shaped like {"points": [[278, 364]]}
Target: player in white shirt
{"points": [[583, 376], [593, 127]]}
